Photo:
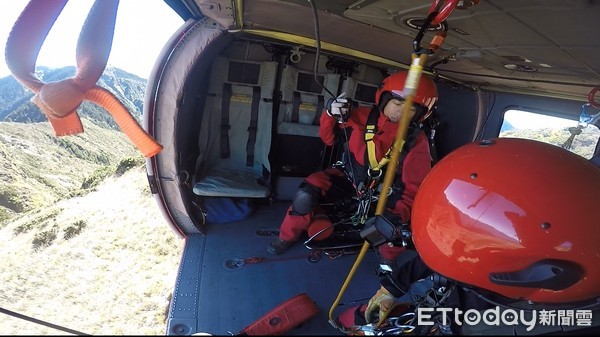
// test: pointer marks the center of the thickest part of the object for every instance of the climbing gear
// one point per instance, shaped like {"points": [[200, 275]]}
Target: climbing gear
{"points": [[370, 132], [431, 292], [584, 120], [412, 81]]}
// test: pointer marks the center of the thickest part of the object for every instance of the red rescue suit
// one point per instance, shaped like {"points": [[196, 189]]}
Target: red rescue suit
{"points": [[410, 172]]}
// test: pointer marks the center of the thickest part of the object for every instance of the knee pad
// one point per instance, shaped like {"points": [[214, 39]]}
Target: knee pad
{"points": [[305, 200]]}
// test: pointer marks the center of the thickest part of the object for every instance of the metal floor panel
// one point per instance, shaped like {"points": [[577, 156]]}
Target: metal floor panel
{"points": [[215, 296]]}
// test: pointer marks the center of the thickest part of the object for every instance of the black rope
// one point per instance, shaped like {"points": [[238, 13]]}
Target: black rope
{"points": [[37, 321]]}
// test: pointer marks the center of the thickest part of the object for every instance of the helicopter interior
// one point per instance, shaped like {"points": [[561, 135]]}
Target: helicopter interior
{"points": [[236, 97]]}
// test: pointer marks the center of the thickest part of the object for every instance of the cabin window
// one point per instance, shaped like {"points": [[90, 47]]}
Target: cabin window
{"points": [[552, 130]]}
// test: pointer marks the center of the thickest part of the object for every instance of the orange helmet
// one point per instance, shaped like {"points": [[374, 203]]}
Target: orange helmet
{"points": [[425, 95], [514, 216]]}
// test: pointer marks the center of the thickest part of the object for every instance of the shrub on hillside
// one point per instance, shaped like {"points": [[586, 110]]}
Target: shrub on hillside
{"points": [[5, 214], [74, 229], [10, 199], [96, 178], [127, 164], [37, 222], [44, 238]]}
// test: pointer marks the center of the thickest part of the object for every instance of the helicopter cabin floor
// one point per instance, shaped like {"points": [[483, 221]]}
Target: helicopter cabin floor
{"points": [[227, 280]]}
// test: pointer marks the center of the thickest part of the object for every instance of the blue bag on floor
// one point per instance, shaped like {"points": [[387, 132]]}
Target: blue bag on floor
{"points": [[224, 209]]}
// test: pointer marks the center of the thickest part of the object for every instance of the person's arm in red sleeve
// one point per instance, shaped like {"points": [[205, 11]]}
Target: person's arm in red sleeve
{"points": [[327, 126], [417, 165]]}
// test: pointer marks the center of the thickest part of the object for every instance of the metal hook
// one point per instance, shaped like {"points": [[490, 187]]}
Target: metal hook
{"points": [[585, 119], [296, 54], [374, 174]]}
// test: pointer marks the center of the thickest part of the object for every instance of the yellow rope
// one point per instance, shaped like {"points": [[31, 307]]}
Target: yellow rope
{"points": [[412, 81]]}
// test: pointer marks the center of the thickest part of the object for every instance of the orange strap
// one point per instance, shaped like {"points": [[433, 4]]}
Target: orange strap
{"points": [[444, 12], [283, 318], [60, 100]]}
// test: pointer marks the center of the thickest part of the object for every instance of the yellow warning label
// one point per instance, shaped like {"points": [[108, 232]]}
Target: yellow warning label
{"points": [[238, 98], [307, 106]]}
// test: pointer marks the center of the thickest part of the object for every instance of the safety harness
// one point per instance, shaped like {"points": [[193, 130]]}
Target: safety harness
{"points": [[437, 15], [375, 167], [367, 185], [370, 132]]}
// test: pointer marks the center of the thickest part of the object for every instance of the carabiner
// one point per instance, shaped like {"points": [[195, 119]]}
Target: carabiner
{"points": [[374, 174], [585, 119], [434, 18]]}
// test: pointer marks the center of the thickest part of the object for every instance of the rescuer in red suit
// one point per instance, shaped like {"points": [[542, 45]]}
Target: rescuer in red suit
{"points": [[368, 133]]}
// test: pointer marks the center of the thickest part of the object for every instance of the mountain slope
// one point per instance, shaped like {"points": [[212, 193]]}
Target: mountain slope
{"points": [[84, 244], [16, 105], [39, 168], [102, 264]]}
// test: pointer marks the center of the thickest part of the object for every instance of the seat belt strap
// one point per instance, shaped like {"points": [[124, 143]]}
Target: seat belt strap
{"points": [[296, 108], [253, 127], [225, 120], [320, 104]]}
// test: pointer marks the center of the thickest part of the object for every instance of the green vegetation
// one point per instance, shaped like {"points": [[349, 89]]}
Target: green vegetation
{"points": [[109, 267], [11, 199], [37, 221], [583, 144], [5, 214], [97, 177], [104, 172], [127, 164], [40, 168], [74, 229], [44, 238], [79, 151]]}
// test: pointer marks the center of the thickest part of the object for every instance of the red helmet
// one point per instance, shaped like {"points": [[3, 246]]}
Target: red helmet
{"points": [[425, 95], [514, 216]]}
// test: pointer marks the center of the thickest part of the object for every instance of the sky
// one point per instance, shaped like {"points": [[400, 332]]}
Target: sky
{"points": [[137, 42]]}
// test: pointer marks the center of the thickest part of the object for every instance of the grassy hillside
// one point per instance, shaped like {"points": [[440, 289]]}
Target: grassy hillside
{"points": [[103, 263], [38, 168], [84, 245]]}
